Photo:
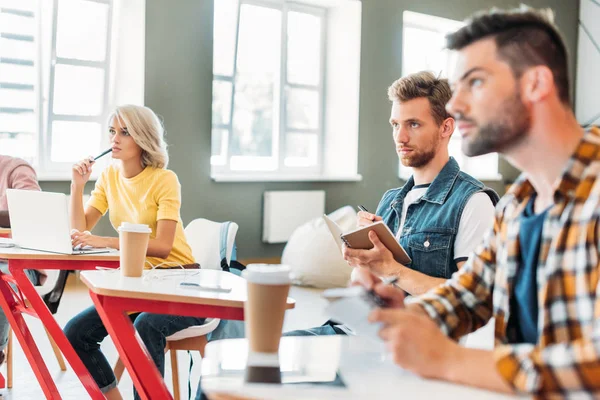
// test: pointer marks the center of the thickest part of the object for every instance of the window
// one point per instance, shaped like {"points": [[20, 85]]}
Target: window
{"points": [[54, 76], [19, 82], [423, 49], [268, 88]]}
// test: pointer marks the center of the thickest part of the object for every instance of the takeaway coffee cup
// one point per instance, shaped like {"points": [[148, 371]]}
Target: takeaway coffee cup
{"points": [[268, 288], [133, 244]]}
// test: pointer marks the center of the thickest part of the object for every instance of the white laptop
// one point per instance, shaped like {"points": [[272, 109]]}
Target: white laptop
{"points": [[40, 221]]}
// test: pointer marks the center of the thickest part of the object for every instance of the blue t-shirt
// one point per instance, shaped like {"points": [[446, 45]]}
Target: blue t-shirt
{"points": [[524, 301]]}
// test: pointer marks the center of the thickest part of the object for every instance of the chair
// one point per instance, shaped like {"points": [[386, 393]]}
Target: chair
{"points": [[51, 292], [210, 242]]}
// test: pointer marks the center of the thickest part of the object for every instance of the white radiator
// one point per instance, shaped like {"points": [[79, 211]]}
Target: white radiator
{"points": [[284, 211]]}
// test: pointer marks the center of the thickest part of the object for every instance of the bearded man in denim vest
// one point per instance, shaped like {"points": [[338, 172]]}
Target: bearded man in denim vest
{"points": [[441, 213]]}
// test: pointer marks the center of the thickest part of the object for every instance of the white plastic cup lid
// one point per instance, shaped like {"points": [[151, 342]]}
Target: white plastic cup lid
{"points": [[267, 274], [135, 228]]}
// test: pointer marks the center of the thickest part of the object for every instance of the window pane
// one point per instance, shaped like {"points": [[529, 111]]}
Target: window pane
{"points": [[253, 120], [17, 24], [455, 150], [301, 149], [225, 20], [259, 49], [81, 30], [483, 166], [21, 145], [219, 147], [255, 116], [25, 5], [423, 50], [302, 109], [78, 90], [18, 49], [10, 98], [304, 48], [15, 73], [221, 102], [19, 122], [71, 141]]}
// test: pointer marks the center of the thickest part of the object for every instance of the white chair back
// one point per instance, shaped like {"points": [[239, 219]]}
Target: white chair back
{"points": [[204, 237], [49, 283]]}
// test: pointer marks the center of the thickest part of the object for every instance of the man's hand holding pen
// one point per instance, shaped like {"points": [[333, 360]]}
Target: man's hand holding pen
{"points": [[366, 218]]}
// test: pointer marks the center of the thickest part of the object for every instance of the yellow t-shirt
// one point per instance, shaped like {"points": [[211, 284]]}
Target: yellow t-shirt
{"points": [[148, 197]]}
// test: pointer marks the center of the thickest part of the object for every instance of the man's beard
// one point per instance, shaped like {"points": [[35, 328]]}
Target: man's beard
{"points": [[507, 131], [420, 158]]}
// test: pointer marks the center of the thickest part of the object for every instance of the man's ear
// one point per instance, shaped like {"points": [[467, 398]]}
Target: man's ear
{"points": [[447, 127], [537, 83]]}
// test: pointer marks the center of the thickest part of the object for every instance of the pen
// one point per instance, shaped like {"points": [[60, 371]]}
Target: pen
{"points": [[194, 285], [105, 152], [361, 208]]}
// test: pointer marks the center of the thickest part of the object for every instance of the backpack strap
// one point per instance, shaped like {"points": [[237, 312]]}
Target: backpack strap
{"points": [[223, 245]]}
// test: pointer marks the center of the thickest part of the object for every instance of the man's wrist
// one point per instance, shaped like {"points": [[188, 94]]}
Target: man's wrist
{"points": [[394, 270], [417, 309], [454, 359]]}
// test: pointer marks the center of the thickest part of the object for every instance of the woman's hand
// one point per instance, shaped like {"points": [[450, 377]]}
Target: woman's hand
{"points": [[85, 238], [81, 171]]}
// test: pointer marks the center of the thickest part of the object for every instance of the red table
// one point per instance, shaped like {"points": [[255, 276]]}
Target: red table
{"points": [[159, 292], [14, 306]]}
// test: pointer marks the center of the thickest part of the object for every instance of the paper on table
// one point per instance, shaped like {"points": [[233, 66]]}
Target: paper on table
{"points": [[353, 312], [6, 242]]}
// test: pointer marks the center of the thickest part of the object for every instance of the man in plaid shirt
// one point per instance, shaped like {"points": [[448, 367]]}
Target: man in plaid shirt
{"points": [[537, 271]]}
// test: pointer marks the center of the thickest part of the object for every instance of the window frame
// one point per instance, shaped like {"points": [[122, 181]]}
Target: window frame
{"points": [[223, 168], [43, 91], [47, 167]]}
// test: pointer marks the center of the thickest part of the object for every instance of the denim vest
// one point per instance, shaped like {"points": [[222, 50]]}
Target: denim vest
{"points": [[432, 222]]}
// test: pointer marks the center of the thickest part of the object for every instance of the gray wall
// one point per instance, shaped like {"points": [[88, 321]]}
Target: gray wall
{"points": [[179, 84]]}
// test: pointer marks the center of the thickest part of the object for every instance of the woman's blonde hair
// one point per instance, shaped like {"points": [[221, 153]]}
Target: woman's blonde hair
{"points": [[147, 131]]}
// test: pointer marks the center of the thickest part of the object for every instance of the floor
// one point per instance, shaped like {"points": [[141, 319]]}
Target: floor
{"points": [[308, 312]]}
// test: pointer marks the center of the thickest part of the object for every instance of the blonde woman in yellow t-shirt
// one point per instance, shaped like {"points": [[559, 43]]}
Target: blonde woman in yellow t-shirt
{"points": [[135, 188]]}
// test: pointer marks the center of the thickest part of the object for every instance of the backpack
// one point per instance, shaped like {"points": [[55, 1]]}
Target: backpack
{"points": [[233, 266]]}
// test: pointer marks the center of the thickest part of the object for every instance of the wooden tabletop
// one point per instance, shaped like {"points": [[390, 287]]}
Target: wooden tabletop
{"points": [[17, 253], [164, 285]]}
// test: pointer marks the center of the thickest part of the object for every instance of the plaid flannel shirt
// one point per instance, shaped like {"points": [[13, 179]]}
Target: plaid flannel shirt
{"points": [[566, 359]]}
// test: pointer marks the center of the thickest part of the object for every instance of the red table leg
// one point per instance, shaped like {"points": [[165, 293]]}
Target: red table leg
{"points": [[133, 352], [23, 334], [16, 268]]}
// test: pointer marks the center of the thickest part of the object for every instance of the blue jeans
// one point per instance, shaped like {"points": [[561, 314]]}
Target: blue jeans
{"points": [[34, 277], [323, 330], [86, 331]]}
